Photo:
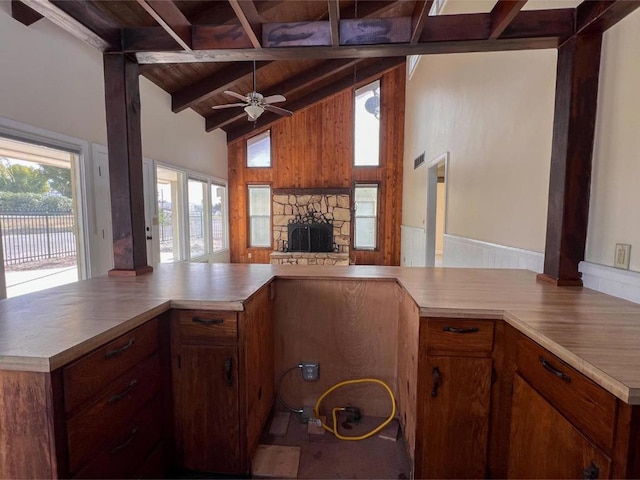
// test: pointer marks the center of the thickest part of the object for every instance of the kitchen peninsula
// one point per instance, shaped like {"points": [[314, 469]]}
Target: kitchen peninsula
{"points": [[530, 362]]}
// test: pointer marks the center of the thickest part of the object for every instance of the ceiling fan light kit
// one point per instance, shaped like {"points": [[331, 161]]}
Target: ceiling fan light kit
{"points": [[255, 103]]}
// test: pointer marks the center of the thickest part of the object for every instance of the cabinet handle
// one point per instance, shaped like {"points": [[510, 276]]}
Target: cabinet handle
{"points": [[228, 370], [461, 330], [126, 443], [118, 351], [437, 380], [591, 472], [549, 367], [124, 393], [208, 321]]}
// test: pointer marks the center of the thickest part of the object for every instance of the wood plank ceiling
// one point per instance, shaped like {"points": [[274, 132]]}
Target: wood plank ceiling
{"points": [[305, 50]]}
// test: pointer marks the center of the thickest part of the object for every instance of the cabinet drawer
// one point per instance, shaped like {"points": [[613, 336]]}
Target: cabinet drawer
{"points": [[588, 406], [449, 335], [85, 377], [126, 453], [198, 326], [102, 421]]}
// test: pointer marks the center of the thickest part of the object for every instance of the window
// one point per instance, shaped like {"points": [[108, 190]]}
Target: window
{"points": [[259, 216], [218, 207], [197, 193], [169, 213], [259, 150], [366, 216], [367, 125], [192, 211]]}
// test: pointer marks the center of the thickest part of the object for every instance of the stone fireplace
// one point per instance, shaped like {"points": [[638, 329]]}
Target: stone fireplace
{"points": [[311, 226]]}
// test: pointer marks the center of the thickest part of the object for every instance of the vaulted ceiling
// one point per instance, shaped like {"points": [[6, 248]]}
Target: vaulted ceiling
{"points": [[304, 50]]}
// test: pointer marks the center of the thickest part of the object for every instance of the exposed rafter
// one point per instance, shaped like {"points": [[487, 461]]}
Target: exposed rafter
{"points": [[303, 81], [419, 18], [169, 17], [211, 85], [503, 14], [67, 22], [346, 81], [334, 20], [249, 19], [597, 16], [25, 15]]}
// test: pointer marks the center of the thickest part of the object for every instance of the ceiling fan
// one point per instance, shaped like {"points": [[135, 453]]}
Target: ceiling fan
{"points": [[255, 103]]}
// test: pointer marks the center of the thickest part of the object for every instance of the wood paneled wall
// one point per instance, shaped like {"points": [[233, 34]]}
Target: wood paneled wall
{"points": [[314, 149]]}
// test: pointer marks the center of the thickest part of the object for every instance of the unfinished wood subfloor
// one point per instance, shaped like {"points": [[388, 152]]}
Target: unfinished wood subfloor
{"points": [[324, 456]]}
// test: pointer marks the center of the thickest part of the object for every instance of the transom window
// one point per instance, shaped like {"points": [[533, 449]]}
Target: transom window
{"points": [[259, 150]]}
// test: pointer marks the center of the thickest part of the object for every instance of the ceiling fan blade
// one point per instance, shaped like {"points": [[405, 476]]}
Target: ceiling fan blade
{"points": [[274, 99], [228, 105], [278, 110], [237, 95]]}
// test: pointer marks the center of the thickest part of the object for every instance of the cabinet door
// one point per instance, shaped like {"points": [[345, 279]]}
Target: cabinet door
{"points": [[206, 408], [544, 444], [456, 417]]}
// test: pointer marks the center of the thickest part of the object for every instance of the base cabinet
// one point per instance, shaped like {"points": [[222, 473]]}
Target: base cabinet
{"points": [[455, 370], [206, 408], [544, 444]]}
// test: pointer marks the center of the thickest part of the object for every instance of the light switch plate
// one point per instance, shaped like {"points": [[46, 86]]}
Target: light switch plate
{"points": [[621, 259]]}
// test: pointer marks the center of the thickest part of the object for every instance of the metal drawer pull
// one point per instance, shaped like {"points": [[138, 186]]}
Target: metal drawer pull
{"points": [[591, 472], [554, 370], [228, 370], [437, 380], [124, 393], [118, 351], [208, 321], [126, 443], [461, 330]]}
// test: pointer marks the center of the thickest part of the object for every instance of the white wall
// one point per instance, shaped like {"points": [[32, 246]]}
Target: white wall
{"points": [[494, 113], [615, 193], [53, 81]]}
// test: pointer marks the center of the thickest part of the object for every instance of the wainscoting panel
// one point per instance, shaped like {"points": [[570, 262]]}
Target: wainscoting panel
{"points": [[470, 253], [413, 246], [612, 281]]}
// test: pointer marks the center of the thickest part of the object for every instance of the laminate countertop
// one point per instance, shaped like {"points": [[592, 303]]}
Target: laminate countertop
{"points": [[597, 334]]}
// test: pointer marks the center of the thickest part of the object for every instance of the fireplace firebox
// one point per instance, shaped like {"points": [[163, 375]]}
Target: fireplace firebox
{"points": [[310, 237]]}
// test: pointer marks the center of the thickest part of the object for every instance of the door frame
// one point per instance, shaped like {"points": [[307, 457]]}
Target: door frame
{"points": [[80, 148], [432, 202]]}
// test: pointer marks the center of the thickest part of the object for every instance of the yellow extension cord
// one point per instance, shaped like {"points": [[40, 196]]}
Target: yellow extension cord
{"points": [[334, 430]]}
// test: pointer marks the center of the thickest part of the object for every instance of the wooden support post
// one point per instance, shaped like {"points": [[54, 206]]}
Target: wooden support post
{"points": [[572, 149], [122, 99]]}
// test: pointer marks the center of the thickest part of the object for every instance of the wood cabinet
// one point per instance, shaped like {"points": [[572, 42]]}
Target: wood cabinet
{"points": [[454, 385], [563, 425], [101, 416], [544, 444], [222, 365]]}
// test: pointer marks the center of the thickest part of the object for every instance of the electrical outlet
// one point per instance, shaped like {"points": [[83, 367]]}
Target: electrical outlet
{"points": [[621, 259], [310, 371]]}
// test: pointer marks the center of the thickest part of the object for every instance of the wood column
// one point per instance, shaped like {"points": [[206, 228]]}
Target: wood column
{"points": [[572, 148], [122, 100]]}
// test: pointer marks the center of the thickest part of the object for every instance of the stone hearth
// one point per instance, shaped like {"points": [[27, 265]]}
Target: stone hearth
{"points": [[333, 205]]}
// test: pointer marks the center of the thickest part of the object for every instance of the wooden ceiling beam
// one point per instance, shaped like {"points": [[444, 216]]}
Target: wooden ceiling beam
{"points": [[597, 16], [419, 18], [25, 15], [95, 20], [291, 86], [150, 39], [362, 75], [334, 21], [67, 22], [169, 17], [212, 85], [249, 19], [502, 14]]}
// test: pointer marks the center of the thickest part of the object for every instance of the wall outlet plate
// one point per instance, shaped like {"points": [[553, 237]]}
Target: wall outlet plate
{"points": [[310, 371], [621, 259]]}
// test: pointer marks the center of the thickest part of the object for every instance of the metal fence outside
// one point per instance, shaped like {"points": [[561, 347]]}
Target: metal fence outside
{"points": [[196, 223], [27, 237]]}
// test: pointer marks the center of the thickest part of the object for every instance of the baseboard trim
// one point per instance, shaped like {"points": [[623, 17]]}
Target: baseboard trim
{"points": [[619, 283]]}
